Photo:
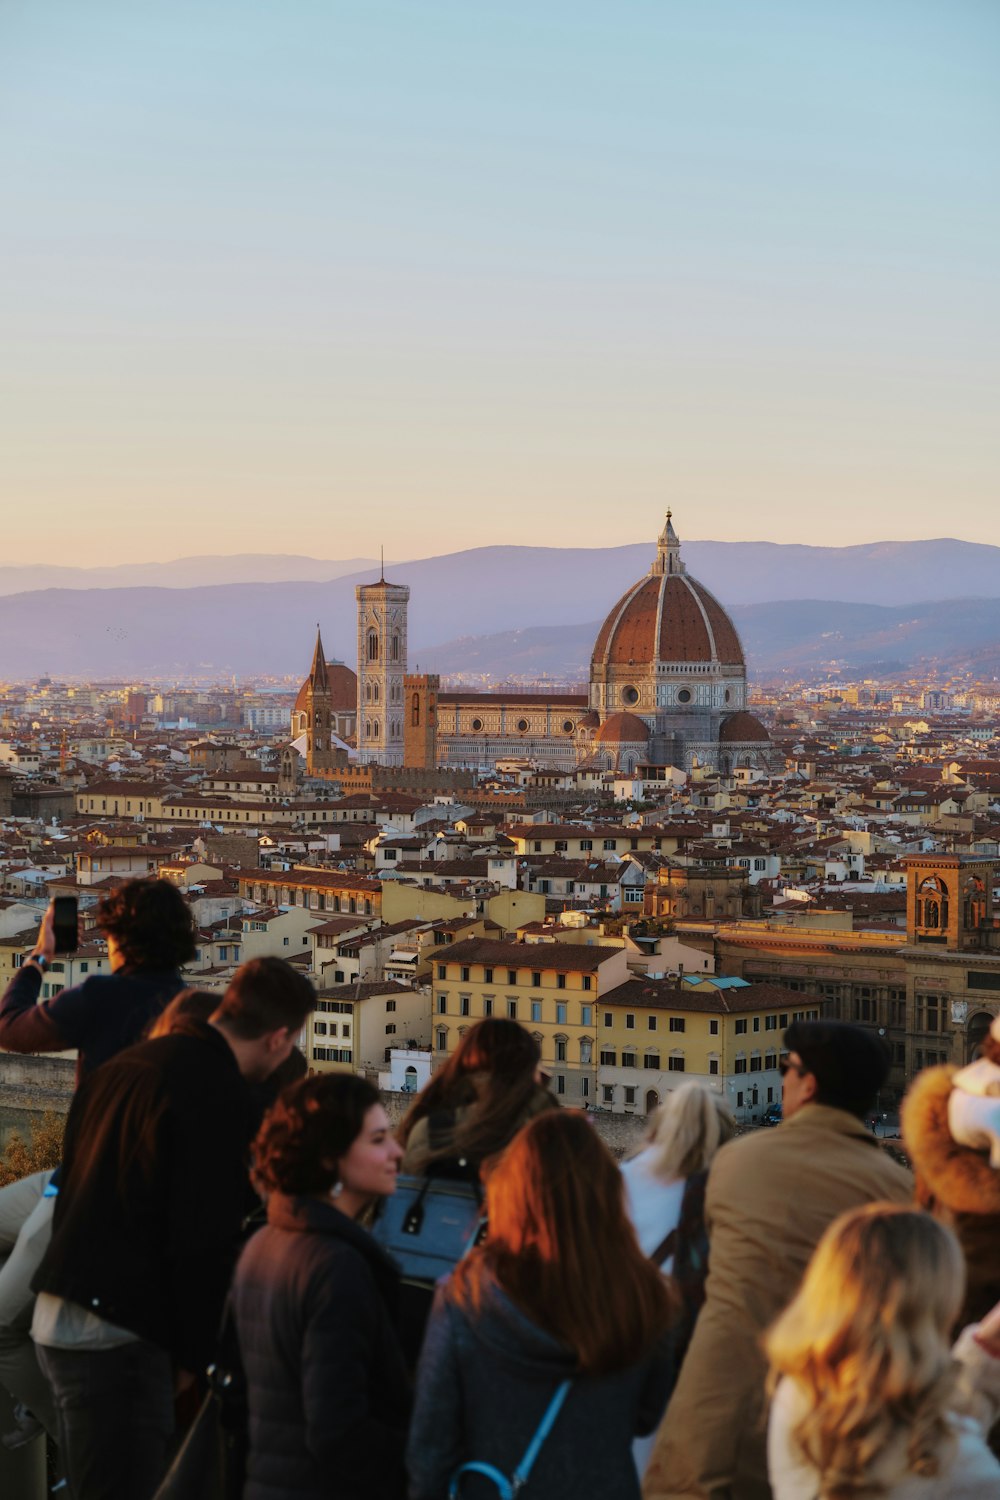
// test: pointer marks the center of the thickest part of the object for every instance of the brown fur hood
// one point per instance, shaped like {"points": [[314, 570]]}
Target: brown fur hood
{"points": [[960, 1179]]}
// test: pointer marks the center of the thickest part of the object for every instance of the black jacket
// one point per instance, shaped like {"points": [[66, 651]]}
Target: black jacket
{"points": [[154, 1190], [99, 1017], [314, 1300]]}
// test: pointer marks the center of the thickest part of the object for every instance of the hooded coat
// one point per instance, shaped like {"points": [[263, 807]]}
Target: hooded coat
{"points": [[957, 1185], [314, 1302], [483, 1386]]}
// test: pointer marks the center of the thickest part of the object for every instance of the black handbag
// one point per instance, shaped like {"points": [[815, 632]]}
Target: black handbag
{"points": [[210, 1463]]}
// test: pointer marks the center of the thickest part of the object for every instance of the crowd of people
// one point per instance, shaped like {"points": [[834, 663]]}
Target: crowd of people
{"points": [[784, 1314]]}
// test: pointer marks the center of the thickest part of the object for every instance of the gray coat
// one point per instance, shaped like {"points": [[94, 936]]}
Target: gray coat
{"points": [[328, 1395], [483, 1386]]}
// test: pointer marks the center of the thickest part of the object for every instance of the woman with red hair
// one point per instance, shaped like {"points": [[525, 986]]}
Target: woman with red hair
{"points": [[558, 1292]]}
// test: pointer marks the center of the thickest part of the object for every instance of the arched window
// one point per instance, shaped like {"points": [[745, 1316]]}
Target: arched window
{"points": [[586, 1050], [975, 902], [932, 903], [374, 692], [395, 647], [373, 645], [415, 710]]}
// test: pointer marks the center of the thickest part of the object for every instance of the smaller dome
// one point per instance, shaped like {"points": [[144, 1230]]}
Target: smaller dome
{"points": [[590, 720], [343, 687], [623, 729], [742, 729]]}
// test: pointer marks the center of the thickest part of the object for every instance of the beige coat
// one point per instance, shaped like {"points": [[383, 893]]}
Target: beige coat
{"points": [[770, 1197]]}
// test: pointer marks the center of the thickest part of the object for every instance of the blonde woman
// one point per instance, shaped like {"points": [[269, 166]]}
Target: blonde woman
{"points": [[684, 1135], [665, 1199], [869, 1398]]}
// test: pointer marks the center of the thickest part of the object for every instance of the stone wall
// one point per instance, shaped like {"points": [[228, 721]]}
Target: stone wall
{"points": [[36, 1082], [43, 1083], [620, 1133]]}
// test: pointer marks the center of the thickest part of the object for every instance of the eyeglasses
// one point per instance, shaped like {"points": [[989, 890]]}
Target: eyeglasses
{"points": [[785, 1065]]}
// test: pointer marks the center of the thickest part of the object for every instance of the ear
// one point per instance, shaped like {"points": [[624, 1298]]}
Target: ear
{"points": [[810, 1087], [275, 1040]]}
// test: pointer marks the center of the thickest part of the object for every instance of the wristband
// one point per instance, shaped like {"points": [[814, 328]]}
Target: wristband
{"points": [[40, 960]]}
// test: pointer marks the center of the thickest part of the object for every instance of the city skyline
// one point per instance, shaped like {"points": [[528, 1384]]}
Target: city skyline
{"points": [[444, 276]]}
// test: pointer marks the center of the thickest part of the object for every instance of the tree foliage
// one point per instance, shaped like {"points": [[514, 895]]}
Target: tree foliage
{"points": [[39, 1153]]}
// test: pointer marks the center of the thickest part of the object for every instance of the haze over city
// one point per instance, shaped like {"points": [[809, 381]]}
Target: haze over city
{"points": [[316, 277]]}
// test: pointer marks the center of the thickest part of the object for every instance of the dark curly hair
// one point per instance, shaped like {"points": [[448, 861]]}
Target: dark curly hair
{"points": [[308, 1130], [151, 923]]}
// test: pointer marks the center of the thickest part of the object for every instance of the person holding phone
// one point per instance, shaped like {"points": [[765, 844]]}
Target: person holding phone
{"points": [[150, 933]]}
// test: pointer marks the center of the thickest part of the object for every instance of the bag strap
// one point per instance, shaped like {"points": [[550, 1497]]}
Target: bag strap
{"points": [[523, 1471], [664, 1248], [509, 1489]]}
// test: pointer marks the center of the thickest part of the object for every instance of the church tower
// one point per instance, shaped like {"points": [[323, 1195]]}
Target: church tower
{"points": [[318, 714], [382, 610], [420, 733]]}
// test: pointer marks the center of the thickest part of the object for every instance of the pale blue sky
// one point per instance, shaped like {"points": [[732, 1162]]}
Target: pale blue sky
{"points": [[309, 275]]}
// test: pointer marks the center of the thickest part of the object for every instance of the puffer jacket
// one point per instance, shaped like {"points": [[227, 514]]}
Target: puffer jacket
{"points": [[329, 1400], [956, 1184], [483, 1385]]}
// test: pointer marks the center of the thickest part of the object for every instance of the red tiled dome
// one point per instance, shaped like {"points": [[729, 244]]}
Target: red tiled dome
{"points": [[667, 617], [741, 729], [623, 729], [343, 686]]}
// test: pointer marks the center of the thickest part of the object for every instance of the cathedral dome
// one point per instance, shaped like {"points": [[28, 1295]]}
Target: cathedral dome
{"points": [[343, 688], [623, 729], [667, 617], [742, 729]]}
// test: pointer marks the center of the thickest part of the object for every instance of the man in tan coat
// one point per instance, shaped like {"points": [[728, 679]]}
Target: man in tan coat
{"points": [[770, 1196]]}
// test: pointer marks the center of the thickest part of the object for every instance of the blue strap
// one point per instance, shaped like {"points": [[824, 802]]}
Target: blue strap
{"points": [[503, 1484], [509, 1489], [545, 1426]]}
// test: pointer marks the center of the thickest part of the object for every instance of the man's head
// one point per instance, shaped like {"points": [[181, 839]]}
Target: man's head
{"points": [[148, 925], [834, 1063], [262, 1012]]}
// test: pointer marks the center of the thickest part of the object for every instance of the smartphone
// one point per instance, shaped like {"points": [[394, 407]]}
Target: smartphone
{"points": [[65, 924]]}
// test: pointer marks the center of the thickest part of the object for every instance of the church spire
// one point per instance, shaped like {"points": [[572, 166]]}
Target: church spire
{"points": [[668, 549], [317, 675]]}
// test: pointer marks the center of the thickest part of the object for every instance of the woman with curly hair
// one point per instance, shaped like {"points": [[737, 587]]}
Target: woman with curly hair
{"points": [[476, 1103], [314, 1300], [868, 1398]]}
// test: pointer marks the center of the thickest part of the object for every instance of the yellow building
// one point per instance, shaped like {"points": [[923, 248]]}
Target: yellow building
{"points": [[554, 989], [656, 1033]]}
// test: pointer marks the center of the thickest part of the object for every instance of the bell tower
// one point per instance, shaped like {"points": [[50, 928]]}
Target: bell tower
{"points": [[319, 714], [420, 732], [382, 609]]}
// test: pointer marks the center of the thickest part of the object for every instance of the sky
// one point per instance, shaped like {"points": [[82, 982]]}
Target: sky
{"points": [[318, 276]]}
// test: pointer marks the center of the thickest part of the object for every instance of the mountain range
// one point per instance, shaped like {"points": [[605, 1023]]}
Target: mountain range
{"points": [[738, 572], [498, 611]]}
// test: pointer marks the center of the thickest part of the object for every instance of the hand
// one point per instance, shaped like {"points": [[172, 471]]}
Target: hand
{"points": [[989, 1331], [46, 940]]}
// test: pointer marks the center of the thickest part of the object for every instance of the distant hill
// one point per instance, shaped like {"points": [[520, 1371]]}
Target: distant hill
{"points": [[181, 572], [738, 572], [801, 637], [518, 611]]}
